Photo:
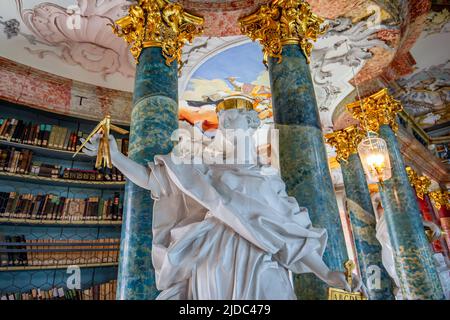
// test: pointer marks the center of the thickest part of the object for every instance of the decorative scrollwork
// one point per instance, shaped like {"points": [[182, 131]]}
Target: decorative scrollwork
{"points": [[440, 198], [282, 22], [158, 23], [345, 141], [375, 110], [420, 183]]}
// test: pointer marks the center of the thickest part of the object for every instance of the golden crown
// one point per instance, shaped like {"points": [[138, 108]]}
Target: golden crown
{"points": [[235, 102]]}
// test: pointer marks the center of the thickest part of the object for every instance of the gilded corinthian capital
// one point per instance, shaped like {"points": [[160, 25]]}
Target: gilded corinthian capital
{"points": [[158, 23], [375, 110], [345, 141], [282, 22]]}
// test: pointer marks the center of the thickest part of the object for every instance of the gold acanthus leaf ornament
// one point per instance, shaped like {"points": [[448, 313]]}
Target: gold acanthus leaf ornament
{"points": [[283, 22], [158, 23], [378, 109], [420, 183], [345, 141], [440, 198]]}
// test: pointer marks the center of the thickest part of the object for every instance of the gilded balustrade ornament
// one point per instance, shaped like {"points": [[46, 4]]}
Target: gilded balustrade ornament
{"points": [[345, 141], [440, 198], [378, 109], [420, 183], [158, 23], [283, 22]]}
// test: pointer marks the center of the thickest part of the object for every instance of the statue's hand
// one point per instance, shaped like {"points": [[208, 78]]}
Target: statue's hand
{"points": [[337, 279], [436, 232], [91, 147]]}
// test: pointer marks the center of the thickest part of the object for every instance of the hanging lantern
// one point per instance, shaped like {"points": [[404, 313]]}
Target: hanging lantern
{"points": [[374, 156]]}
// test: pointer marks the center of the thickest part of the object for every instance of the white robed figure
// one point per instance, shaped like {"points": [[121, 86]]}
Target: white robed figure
{"points": [[387, 251], [226, 231]]}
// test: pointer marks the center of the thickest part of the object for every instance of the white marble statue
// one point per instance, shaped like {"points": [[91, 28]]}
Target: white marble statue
{"points": [[226, 231]]}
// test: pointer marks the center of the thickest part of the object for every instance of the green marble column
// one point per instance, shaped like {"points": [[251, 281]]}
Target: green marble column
{"points": [[363, 223], [412, 253], [153, 119], [303, 159]]}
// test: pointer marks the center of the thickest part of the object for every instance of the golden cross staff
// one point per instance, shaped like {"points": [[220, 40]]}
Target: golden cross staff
{"points": [[103, 153]]}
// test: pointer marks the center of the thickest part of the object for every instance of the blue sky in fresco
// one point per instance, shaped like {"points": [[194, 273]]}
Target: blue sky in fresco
{"points": [[243, 62]]}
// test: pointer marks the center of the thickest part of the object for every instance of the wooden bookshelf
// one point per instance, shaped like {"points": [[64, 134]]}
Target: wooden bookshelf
{"points": [[41, 229], [93, 223], [54, 267], [48, 152], [62, 182]]}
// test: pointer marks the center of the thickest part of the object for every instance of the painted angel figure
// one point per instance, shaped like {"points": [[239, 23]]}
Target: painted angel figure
{"points": [[226, 231]]}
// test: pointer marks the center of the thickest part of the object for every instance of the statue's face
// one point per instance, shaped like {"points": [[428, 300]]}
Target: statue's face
{"points": [[238, 119]]}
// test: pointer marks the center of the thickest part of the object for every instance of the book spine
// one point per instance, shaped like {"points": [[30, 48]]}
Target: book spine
{"points": [[10, 159], [46, 135], [41, 134], [51, 138], [3, 128], [16, 129], [66, 140], [61, 137], [11, 124]]}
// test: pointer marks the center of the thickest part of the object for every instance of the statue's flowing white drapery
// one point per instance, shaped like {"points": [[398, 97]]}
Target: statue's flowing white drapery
{"points": [[226, 232]]}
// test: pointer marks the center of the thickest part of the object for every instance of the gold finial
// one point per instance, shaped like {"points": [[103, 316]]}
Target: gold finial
{"points": [[283, 22], [419, 183], [345, 141], [440, 198], [377, 109], [158, 23]]}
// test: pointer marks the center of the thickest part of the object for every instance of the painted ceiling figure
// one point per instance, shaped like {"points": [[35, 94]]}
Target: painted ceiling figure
{"points": [[226, 231], [204, 110]]}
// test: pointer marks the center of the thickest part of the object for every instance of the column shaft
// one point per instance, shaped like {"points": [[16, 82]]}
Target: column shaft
{"points": [[412, 254], [362, 217], [154, 117], [303, 159]]}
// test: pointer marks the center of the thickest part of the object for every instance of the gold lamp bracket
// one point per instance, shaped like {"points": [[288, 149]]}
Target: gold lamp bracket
{"points": [[103, 155]]}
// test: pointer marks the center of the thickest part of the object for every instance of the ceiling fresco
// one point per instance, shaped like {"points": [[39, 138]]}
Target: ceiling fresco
{"points": [[69, 38], [425, 93]]}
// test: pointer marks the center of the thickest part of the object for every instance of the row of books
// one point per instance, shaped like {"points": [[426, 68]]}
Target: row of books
{"points": [[43, 135], [19, 251], [20, 162], [93, 175], [54, 207], [103, 291], [15, 161], [46, 135]]}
